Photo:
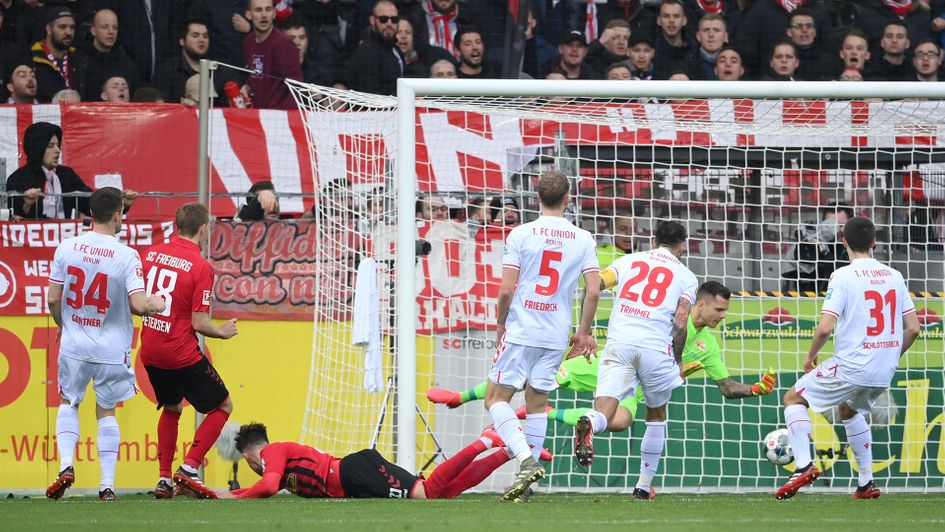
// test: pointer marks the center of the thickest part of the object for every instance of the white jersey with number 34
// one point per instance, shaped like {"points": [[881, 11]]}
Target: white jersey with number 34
{"points": [[869, 300], [551, 254], [97, 274], [649, 287]]}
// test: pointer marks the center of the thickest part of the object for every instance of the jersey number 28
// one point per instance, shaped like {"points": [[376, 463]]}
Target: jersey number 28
{"points": [[658, 280]]}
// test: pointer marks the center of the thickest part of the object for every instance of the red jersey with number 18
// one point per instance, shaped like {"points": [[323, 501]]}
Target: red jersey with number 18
{"points": [[178, 273]]}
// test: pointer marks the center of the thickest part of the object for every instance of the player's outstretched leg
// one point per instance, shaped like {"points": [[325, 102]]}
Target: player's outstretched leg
{"points": [[584, 440], [860, 439], [67, 436], [651, 450], [475, 473], [799, 428], [453, 399], [438, 485]]}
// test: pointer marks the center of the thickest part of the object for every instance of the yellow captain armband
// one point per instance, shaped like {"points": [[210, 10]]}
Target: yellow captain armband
{"points": [[608, 278]]}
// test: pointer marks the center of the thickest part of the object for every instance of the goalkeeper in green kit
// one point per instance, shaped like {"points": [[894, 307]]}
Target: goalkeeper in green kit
{"points": [[701, 353]]}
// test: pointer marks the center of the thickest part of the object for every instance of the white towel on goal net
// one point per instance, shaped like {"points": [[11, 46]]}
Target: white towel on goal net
{"points": [[366, 331]]}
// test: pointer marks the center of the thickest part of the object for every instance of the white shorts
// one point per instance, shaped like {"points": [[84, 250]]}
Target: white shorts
{"points": [[624, 367], [112, 383], [513, 365], [824, 389]]}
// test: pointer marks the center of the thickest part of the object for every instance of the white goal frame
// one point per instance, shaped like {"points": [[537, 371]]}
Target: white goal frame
{"points": [[408, 90]]}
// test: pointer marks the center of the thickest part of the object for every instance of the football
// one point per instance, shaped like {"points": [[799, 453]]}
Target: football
{"points": [[777, 448]]}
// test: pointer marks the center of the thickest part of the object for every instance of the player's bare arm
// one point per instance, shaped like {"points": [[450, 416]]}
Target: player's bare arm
{"points": [[910, 330], [583, 342], [143, 305], [821, 334], [732, 389], [506, 291], [54, 302], [202, 323], [680, 329]]}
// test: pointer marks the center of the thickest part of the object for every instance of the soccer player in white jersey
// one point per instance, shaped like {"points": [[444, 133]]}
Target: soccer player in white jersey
{"points": [[875, 318], [645, 339], [542, 264], [100, 280]]}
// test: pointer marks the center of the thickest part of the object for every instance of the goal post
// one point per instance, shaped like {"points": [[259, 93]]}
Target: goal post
{"points": [[749, 167]]}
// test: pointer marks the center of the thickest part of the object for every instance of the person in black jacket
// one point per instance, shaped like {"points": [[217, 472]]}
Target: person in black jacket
{"points": [[103, 58], [766, 23], [55, 60], [872, 16], [375, 66], [42, 173], [892, 64]]}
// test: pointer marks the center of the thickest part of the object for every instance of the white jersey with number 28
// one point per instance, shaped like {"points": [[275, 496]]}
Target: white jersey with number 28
{"points": [[551, 254], [649, 287], [869, 300], [97, 274]]}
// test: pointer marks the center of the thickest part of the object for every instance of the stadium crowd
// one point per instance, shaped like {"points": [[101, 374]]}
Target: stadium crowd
{"points": [[146, 50]]}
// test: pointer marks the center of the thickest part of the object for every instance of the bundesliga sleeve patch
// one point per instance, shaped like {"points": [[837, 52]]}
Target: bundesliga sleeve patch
{"points": [[206, 297]]}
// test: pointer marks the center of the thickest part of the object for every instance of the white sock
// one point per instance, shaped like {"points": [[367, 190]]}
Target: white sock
{"points": [[67, 434], [535, 427], [108, 439], [510, 430], [651, 449], [799, 428], [598, 421], [860, 439]]}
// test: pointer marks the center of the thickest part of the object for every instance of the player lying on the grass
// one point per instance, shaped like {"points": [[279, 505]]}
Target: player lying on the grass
{"points": [[310, 473], [869, 303], [702, 352]]}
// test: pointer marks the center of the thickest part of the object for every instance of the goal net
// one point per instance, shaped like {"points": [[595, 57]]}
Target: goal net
{"points": [[759, 174]]}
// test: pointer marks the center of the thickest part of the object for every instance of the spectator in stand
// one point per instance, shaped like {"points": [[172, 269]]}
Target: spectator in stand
{"points": [[147, 94], [318, 66], [642, 53], [151, 24], [104, 58], [115, 90], [816, 65], [477, 216], [673, 46], [442, 20], [66, 96], [272, 55], [783, 63], [696, 9], [618, 71], [570, 62], [712, 35], [55, 61], [872, 16], [443, 69], [508, 214], [855, 50], [172, 74], [432, 208], [538, 50], [893, 65], [678, 75], [611, 47], [227, 26], [818, 250], [472, 55], [21, 83], [191, 96], [375, 66], [13, 35], [261, 203], [765, 23], [851, 74], [43, 181], [927, 61], [729, 65], [418, 55], [641, 20]]}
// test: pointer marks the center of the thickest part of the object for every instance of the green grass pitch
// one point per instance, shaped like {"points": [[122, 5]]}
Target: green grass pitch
{"points": [[485, 513]]}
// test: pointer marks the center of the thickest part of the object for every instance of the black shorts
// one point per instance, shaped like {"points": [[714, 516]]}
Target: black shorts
{"points": [[367, 475], [199, 383]]}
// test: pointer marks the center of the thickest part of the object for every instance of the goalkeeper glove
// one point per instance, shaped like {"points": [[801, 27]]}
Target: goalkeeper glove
{"points": [[690, 368], [766, 385]]}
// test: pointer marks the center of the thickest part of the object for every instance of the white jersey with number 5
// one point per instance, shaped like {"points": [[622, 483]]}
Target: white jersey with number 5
{"points": [[869, 300], [97, 274], [551, 254], [649, 287]]}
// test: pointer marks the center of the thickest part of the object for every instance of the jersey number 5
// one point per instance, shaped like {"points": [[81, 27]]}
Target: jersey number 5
{"points": [[658, 280], [161, 283], [95, 296], [881, 301], [547, 270]]}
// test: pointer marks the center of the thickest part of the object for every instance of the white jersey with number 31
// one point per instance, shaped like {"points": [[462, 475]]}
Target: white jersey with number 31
{"points": [[97, 274], [649, 287], [869, 300], [551, 254]]}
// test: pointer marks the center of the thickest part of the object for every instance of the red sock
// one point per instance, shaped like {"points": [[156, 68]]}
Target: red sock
{"points": [[475, 473], [448, 470], [206, 436], [167, 440]]}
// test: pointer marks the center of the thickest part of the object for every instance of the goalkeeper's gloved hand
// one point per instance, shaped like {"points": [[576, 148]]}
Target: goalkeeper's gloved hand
{"points": [[766, 385], [690, 368]]}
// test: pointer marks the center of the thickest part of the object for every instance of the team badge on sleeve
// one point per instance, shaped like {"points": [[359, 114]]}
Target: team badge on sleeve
{"points": [[138, 273], [206, 297]]}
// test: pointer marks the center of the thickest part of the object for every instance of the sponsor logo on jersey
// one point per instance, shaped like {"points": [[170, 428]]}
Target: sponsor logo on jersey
{"points": [[206, 298], [700, 344]]}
